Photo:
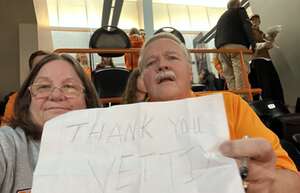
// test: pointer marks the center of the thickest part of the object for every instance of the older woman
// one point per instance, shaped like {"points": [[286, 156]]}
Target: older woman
{"points": [[56, 85]]}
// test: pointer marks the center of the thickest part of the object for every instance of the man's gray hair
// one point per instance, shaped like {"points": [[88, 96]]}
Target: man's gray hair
{"points": [[232, 4], [162, 35]]}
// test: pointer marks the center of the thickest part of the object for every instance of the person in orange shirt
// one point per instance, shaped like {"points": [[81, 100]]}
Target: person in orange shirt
{"points": [[82, 58], [34, 58], [218, 65], [106, 62], [131, 59], [165, 65], [143, 34]]}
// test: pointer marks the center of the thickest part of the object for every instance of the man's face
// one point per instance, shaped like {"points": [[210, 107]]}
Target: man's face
{"points": [[106, 61], [255, 22], [167, 74]]}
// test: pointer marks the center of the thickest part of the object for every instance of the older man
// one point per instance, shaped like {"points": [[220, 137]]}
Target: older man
{"points": [[166, 70]]}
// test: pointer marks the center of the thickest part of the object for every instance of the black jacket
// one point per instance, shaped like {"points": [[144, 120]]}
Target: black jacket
{"points": [[234, 27]]}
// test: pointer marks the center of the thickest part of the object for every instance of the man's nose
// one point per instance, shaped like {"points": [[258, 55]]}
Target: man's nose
{"points": [[163, 65]]}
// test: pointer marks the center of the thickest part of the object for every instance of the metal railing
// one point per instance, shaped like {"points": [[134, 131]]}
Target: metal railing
{"points": [[247, 87]]}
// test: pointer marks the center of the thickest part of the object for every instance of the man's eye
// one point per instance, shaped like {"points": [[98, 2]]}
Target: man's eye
{"points": [[150, 63], [173, 57]]}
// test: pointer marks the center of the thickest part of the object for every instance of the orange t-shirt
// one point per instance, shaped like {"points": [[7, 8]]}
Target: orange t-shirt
{"points": [[242, 121], [9, 108], [87, 71], [131, 59], [218, 66]]}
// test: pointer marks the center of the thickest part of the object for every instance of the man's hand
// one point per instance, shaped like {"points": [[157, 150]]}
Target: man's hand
{"points": [[263, 45], [261, 163], [272, 35], [268, 45], [253, 48]]}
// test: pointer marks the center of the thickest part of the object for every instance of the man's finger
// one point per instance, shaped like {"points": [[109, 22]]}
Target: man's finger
{"points": [[254, 148]]}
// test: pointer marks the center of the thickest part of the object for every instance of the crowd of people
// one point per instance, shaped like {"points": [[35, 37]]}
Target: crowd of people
{"points": [[163, 72], [236, 30]]}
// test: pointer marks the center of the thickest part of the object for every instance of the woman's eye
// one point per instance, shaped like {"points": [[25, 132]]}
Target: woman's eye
{"points": [[68, 86], [43, 86]]}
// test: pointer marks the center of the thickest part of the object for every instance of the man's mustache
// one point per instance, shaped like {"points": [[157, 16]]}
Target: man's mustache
{"points": [[165, 75]]}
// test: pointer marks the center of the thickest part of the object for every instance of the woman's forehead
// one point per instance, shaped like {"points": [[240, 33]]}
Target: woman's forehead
{"points": [[57, 70], [56, 67]]}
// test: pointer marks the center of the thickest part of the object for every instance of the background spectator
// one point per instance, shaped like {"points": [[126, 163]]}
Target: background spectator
{"points": [[135, 89], [234, 31], [82, 58], [34, 58], [131, 59], [208, 79], [106, 62], [143, 34], [262, 71]]}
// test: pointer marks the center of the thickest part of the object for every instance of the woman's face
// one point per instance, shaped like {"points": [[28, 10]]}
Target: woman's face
{"points": [[56, 89], [141, 90]]}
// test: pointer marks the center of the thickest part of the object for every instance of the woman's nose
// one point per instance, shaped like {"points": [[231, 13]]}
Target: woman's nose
{"points": [[56, 94]]}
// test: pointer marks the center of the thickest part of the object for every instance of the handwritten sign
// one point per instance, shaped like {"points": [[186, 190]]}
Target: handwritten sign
{"points": [[161, 147]]}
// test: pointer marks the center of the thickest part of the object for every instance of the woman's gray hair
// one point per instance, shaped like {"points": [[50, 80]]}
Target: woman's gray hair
{"points": [[162, 35]]}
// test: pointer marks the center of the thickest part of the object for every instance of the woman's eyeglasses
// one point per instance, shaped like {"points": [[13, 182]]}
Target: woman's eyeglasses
{"points": [[45, 90]]}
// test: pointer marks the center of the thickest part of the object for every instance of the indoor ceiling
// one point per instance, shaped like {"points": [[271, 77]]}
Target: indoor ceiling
{"points": [[206, 3]]}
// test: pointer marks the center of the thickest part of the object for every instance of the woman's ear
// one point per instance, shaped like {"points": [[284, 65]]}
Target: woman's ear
{"points": [[191, 73]]}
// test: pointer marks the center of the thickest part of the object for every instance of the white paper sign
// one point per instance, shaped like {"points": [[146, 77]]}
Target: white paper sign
{"points": [[161, 147]]}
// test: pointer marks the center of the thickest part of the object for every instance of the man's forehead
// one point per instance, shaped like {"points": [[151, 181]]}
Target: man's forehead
{"points": [[159, 40], [172, 48]]}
